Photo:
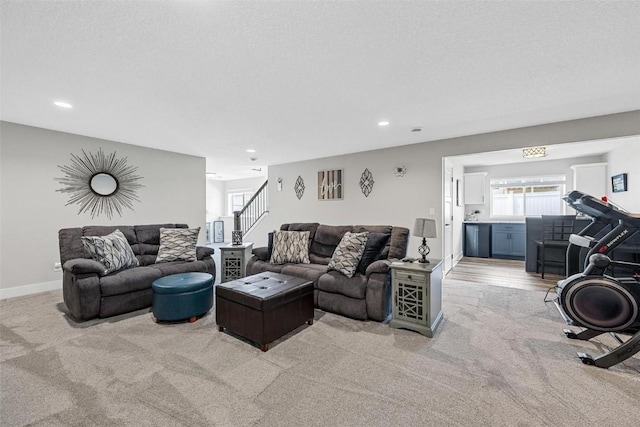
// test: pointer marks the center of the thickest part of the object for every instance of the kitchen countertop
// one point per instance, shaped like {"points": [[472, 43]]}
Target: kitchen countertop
{"points": [[492, 222]]}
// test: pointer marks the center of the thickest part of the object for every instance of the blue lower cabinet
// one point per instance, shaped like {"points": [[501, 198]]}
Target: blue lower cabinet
{"points": [[508, 241]]}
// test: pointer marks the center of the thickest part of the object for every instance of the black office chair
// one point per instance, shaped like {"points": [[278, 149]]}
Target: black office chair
{"points": [[552, 249]]}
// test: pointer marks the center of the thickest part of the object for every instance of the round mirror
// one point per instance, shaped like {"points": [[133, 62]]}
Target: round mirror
{"points": [[104, 184]]}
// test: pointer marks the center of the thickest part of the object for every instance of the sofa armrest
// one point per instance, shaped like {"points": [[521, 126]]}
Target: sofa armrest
{"points": [[262, 253], [380, 266], [84, 266], [204, 251]]}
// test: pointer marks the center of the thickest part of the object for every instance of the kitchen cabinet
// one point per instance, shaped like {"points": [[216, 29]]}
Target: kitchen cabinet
{"points": [[508, 241], [474, 187]]}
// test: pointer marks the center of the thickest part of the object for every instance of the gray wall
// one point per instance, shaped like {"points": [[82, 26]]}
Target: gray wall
{"points": [[398, 201], [626, 159], [32, 211]]}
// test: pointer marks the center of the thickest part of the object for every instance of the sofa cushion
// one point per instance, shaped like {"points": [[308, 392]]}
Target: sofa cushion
{"points": [[327, 238], [148, 237], [177, 244], [397, 244], [112, 251], [347, 255], [103, 230], [133, 279], [337, 283], [175, 267], [290, 247], [311, 227], [258, 266], [307, 271], [375, 243]]}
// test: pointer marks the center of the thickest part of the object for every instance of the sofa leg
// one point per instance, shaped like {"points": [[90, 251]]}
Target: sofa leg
{"points": [[310, 322], [264, 347], [220, 328], [192, 319]]}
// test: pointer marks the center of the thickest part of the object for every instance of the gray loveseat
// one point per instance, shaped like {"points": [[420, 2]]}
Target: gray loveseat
{"points": [[367, 295], [88, 293]]}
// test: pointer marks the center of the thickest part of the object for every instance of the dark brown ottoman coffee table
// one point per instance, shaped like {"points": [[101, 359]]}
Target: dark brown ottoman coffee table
{"points": [[264, 307]]}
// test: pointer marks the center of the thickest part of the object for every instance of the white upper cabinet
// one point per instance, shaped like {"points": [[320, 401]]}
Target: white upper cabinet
{"points": [[474, 188]]}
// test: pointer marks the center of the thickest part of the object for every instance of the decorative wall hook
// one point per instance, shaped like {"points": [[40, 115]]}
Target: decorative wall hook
{"points": [[399, 171]]}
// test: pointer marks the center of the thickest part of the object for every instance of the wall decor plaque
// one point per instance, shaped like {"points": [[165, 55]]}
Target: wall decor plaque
{"points": [[330, 184], [299, 187], [366, 182]]}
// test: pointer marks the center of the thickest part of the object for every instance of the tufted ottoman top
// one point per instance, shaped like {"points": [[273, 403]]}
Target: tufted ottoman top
{"points": [[264, 291], [182, 282]]}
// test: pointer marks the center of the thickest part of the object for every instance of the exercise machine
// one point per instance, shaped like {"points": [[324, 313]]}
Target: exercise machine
{"points": [[593, 300]]}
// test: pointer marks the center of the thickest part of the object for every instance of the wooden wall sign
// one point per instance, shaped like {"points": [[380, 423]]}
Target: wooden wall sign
{"points": [[330, 185]]}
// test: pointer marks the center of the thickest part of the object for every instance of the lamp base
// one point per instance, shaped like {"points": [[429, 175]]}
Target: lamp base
{"points": [[424, 250]]}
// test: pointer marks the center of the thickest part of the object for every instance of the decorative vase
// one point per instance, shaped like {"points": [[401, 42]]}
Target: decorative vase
{"points": [[236, 237]]}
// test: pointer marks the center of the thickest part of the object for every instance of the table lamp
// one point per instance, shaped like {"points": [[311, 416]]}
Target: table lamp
{"points": [[424, 228]]}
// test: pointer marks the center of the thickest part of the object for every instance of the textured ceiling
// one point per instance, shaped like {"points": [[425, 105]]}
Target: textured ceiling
{"points": [[298, 80]]}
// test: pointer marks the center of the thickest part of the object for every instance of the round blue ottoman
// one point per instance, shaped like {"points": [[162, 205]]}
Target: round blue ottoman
{"points": [[182, 296]]}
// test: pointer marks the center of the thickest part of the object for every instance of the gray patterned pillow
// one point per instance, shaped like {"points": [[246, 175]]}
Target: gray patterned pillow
{"points": [[347, 255], [290, 246], [113, 251], [177, 244]]}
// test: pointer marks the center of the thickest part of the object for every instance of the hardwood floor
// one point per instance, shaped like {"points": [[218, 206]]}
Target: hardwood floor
{"points": [[500, 272]]}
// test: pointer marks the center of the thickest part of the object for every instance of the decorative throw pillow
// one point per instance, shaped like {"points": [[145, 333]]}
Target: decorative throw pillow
{"points": [[290, 246], [375, 244], [113, 251], [347, 255], [177, 244]]}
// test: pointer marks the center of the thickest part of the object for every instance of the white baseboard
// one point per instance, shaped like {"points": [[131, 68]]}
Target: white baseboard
{"points": [[36, 288]]}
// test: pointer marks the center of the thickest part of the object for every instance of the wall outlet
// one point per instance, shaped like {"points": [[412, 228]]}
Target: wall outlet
{"points": [[432, 211], [57, 266]]}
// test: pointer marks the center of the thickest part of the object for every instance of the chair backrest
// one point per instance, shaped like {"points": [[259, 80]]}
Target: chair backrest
{"points": [[557, 227]]}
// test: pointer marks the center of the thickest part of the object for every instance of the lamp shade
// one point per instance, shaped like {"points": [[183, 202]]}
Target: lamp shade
{"points": [[425, 227]]}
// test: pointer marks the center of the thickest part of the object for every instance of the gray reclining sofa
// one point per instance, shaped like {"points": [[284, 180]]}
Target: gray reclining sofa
{"points": [[88, 293], [366, 295]]}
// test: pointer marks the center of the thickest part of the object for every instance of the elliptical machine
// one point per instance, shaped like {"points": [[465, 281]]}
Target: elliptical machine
{"points": [[593, 300]]}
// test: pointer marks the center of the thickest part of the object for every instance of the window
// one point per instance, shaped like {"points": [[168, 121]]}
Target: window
{"points": [[237, 200], [520, 197]]}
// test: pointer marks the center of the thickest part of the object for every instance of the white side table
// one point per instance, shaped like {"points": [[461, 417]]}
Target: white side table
{"points": [[234, 261], [417, 296]]}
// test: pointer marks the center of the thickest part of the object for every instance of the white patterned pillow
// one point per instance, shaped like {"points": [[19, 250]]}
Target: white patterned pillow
{"points": [[290, 246], [113, 251], [177, 244], [347, 255]]}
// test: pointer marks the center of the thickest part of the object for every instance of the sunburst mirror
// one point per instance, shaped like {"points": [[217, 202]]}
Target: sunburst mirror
{"points": [[99, 183]]}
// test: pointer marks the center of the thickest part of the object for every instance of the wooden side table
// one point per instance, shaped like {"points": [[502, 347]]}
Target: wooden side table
{"points": [[417, 296], [234, 260]]}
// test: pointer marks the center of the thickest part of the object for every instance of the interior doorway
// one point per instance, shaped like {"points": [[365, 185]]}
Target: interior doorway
{"points": [[447, 217]]}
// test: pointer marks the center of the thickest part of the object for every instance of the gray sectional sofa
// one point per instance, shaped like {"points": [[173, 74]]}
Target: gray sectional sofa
{"points": [[367, 295], [88, 293]]}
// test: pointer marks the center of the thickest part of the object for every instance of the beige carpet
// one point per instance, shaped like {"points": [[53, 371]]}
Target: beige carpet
{"points": [[498, 359]]}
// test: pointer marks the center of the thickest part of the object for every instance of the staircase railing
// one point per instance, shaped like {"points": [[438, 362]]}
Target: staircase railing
{"points": [[252, 211]]}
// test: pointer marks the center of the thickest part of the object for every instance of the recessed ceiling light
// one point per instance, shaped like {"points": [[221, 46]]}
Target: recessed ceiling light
{"points": [[383, 123], [251, 150], [62, 104]]}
